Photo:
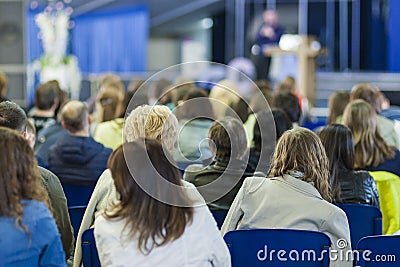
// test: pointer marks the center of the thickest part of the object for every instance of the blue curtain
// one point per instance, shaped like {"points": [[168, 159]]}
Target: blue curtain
{"points": [[112, 41]]}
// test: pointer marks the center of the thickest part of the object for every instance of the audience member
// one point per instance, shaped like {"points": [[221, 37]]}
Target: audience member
{"points": [[12, 116], [372, 152], [46, 102], [154, 122], [299, 180], [109, 133], [290, 104], [48, 137], [260, 101], [372, 96], [262, 143], [195, 116], [141, 230], [223, 96], [3, 86], [336, 105], [29, 235], [76, 158], [348, 186], [227, 140], [31, 138]]}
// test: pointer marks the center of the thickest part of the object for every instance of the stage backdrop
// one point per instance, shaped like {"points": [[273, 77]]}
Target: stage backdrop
{"points": [[113, 41]]}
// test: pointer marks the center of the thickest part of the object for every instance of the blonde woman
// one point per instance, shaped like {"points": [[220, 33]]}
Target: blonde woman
{"points": [[372, 152], [296, 196]]}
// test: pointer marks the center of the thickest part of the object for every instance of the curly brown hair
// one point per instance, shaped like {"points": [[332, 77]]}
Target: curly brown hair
{"points": [[301, 150], [20, 178]]}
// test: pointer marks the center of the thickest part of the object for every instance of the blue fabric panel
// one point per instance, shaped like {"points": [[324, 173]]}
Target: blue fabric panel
{"points": [[394, 36], [112, 41]]}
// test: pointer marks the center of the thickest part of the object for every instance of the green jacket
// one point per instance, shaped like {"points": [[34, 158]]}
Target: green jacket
{"points": [[59, 207]]}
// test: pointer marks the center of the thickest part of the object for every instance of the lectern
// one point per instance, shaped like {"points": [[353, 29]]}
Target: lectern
{"points": [[306, 55]]}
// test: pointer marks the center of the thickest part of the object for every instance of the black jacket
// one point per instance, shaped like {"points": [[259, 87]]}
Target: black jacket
{"points": [[217, 183], [357, 187], [78, 160]]}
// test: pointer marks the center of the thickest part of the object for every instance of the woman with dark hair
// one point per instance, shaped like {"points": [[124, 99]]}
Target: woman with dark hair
{"points": [[29, 235], [155, 222], [348, 186], [296, 196], [220, 181], [290, 104], [262, 138]]}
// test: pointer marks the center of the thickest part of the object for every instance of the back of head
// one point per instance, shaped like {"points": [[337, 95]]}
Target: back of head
{"points": [[12, 116], [195, 104], [3, 84], [290, 104], [300, 150], [368, 93], [110, 101], [223, 95], [46, 95], [286, 86], [265, 121], [370, 147], [19, 179], [336, 104], [154, 122], [229, 138], [143, 190], [74, 116], [339, 147]]}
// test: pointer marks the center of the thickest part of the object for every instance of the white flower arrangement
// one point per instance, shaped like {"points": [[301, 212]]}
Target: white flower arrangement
{"points": [[54, 64]]}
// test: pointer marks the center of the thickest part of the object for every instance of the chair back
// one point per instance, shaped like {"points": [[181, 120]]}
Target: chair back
{"points": [[76, 215], [364, 220], [277, 247], [219, 216], [379, 251], [90, 256], [77, 195]]}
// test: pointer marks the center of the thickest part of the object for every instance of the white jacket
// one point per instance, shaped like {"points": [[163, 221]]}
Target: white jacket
{"points": [[287, 202]]}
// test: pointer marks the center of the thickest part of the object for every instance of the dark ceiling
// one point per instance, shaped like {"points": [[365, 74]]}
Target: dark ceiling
{"points": [[167, 17]]}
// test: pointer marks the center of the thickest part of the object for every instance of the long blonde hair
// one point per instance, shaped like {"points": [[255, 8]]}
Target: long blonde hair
{"points": [[301, 150], [370, 147]]}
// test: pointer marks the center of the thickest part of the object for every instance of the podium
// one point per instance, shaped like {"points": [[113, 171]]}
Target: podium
{"points": [[306, 64]]}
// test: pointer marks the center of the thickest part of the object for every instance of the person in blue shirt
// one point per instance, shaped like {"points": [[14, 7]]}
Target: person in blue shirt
{"points": [[269, 33], [28, 232]]}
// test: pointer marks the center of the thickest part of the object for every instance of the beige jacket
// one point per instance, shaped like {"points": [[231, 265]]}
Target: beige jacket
{"points": [[287, 202]]}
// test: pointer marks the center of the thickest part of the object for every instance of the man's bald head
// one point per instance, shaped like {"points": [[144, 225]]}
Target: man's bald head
{"points": [[74, 116]]}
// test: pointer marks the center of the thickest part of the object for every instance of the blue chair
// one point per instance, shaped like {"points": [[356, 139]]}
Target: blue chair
{"points": [[219, 216], [379, 251], [90, 257], [255, 247], [76, 215], [364, 220], [77, 195]]}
